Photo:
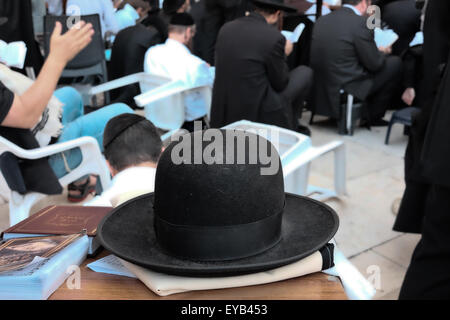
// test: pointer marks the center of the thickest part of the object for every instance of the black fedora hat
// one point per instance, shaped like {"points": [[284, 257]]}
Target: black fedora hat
{"points": [[214, 219], [276, 4], [3, 20]]}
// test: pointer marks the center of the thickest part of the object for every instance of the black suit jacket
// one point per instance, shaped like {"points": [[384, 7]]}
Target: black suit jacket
{"points": [[127, 57], [343, 56], [251, 71], [427, 150], [210, 16]]}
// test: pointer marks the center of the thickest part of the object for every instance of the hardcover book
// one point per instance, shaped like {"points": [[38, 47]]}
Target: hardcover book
{"points": [[61, 220]]}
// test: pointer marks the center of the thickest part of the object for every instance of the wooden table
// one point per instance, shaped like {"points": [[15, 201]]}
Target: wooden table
{"points": [[100, 286]]}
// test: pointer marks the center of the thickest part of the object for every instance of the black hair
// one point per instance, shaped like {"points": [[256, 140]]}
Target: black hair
{"points": [[137, 144]]}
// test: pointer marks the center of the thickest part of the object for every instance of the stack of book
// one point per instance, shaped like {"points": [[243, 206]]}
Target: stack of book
{"points": [[33, 268], [61, 220], [38, 254]]}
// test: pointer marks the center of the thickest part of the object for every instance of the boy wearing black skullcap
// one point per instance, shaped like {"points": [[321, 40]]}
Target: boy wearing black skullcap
{"points": [[132, 148], [174, 60]]}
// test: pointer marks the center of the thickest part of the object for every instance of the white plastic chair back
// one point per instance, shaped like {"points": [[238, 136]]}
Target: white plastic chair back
{"points": [[296, 153], [166, 113], [92, 163], [288, 143], [162, 99], [206, 93]]}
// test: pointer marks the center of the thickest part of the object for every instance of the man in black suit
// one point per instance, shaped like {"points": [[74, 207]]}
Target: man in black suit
{"points": [[127, 57], [253, 81], [210, 16], [403, 17], [344, 56]]}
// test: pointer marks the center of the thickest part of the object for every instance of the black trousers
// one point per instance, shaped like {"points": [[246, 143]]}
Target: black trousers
{"points": [[385, 85], [298, 89], [428, 276]]}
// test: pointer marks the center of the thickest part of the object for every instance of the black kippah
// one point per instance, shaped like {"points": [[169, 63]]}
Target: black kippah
{"points": [[118, 125], [182, 19], [171, 6]]}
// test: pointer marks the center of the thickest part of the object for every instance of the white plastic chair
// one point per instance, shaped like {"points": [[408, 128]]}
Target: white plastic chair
{"points": [[296, 153], [356, 287], [92, 163], [162, 98]]}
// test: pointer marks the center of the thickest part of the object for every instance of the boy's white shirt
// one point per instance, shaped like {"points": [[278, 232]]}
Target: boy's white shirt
{"points": [[127, 184]]}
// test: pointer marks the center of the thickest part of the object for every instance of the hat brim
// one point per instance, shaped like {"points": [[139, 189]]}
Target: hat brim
{"points": [[282, 7], [128, 233]]}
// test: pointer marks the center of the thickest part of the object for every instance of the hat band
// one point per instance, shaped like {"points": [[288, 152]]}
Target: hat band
{"points": [[219, 243]]}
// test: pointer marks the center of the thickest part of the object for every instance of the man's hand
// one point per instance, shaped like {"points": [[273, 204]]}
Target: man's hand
{"points": [[64, 48], [289, 47], [386, 50], [27, 108], [408, 96]]}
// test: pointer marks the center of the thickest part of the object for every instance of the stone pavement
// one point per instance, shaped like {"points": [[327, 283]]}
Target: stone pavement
{"points": [[374, 183]]}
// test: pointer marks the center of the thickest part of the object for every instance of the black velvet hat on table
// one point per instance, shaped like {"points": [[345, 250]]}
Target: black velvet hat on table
{"points": [[218, 219]]}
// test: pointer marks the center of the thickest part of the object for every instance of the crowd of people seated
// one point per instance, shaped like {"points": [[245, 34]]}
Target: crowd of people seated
{"points": [[237, 48]]}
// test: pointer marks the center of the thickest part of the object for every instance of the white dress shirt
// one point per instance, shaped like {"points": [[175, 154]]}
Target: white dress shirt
{"points": [[174, 60], [104, 8], [126, 17], [127, 184]]}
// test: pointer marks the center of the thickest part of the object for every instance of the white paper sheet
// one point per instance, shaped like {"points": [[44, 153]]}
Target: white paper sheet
{"points": [[418, 39], [111, 265], [294, 36], [385, 38]]}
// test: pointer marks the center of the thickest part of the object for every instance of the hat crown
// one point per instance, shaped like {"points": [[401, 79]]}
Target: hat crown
{"points": [[218, 194]]}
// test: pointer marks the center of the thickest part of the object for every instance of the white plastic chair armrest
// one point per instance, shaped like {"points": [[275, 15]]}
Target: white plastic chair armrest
{"points": [[39, 153], [118, 83], [161, 92]]}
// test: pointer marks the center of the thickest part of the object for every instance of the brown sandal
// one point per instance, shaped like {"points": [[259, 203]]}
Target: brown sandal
{"points": [[85, 190]]}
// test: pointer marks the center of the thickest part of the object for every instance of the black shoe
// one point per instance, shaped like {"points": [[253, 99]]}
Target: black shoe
{"points": [[304, 130]]}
